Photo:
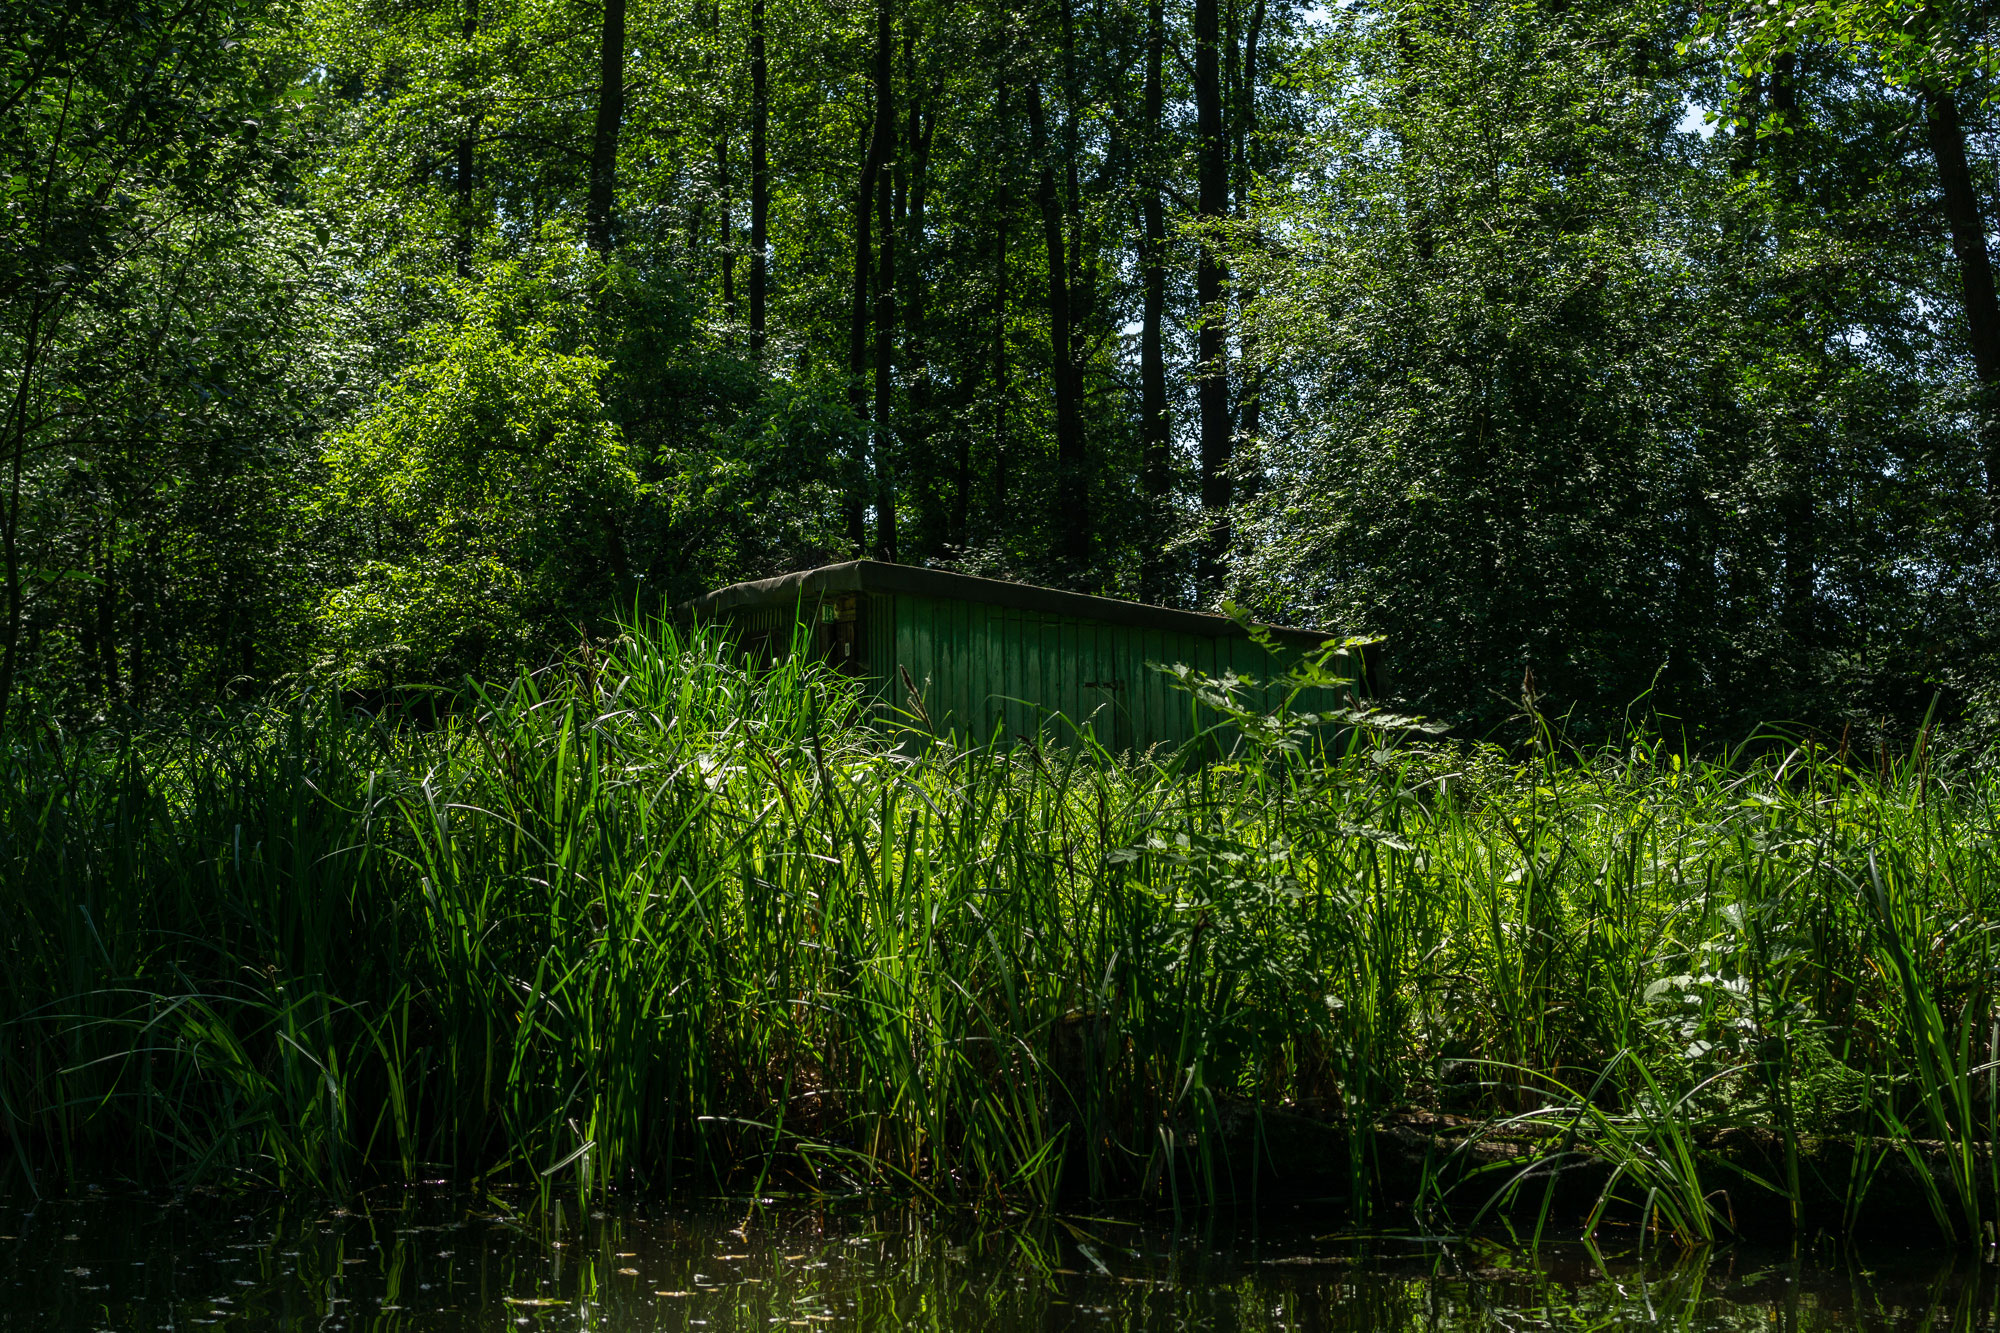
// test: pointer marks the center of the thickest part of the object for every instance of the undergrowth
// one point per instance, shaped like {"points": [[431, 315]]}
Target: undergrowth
{"points": [[661, 918]]}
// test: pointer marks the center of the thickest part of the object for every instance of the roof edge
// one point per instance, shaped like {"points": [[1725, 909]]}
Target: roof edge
{"points": [[880, 576]]}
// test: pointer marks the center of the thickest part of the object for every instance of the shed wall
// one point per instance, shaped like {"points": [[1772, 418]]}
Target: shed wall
{"points": [[974, 669], [978, 669]]}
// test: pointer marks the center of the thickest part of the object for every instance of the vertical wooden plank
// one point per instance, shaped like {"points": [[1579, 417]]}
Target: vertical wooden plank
{"points": [[1157, 723], [967, 693], [1166, 702], [1110, 661], [1003, 654], [899, 649], [914, 651], [991, 668], [936, 680], [1181, 650], [1015, 653], [1071, 665], [1055, 674], [938, 673], [1158, 716], [979, 621], [997, 660], [948, 664], [880, 636], [1119, 643], [1038, 670], [951, 666], [1241, 656], [1116, 663], [1007, 659], [1007, 667], [1132, 670], [1064, 675], [935, 657], [1028, 669], [1083, 667], [935, 677], [1135, 689], [1207, 648], [939, 669], [919, 647]]}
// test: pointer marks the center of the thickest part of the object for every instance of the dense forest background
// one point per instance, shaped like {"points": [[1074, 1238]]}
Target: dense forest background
{"points": [[365, 343]]}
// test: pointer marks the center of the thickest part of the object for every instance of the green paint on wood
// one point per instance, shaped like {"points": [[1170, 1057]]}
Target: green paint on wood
{"points": [[973, 655]]}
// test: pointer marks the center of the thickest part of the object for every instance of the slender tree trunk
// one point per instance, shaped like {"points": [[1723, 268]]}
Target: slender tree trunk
{"points": [[1072, 514], [1155, 430], [1211, 203], [961, 489], [10, 532], [1975, 279], [1249, 412], [917, 424], [760, 177], [598, 211], [902, 173], [1082, 286], [1232, 81], [858, 324], [1416, 206], [1002, 199], [885, 284], [726, 231], [462, 166], [1798, 509], [917, 350], [109, 595], [94, 627]]}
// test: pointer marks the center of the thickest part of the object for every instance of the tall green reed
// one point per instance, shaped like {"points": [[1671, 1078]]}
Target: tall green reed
{"points": [[661, 916]]}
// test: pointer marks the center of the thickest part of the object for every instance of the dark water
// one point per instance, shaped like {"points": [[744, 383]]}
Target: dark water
{"points": [[450, 1263]]}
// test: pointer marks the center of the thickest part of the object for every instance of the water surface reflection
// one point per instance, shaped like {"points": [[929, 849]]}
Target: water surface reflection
{"points": [[442, 1262]]}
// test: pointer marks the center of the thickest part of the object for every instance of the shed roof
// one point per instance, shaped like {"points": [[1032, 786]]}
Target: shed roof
{"points": [[882, 577]]}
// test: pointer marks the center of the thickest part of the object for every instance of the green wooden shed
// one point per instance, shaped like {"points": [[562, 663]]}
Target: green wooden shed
{"points": [[976, 655]]}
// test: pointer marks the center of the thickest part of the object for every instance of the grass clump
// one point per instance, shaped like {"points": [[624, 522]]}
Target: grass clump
{"points": [[662, 917]]}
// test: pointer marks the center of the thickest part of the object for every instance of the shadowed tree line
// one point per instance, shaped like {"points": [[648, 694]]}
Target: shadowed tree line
{"points": [[378, 342]]}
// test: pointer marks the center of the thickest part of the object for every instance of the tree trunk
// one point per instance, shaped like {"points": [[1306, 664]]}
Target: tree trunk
{"points": [[1070, 296], [1249, 412], [1072, 514], [1975, 278], [1155, 431], [10, 531], [1798, 517], [917, 424], [462, 166], [604, 138], [726, 229], [1416, 208], [1211, 202], [760, 178], [1002, 198], [1082, 285], [857, 347], [885, 285]]}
